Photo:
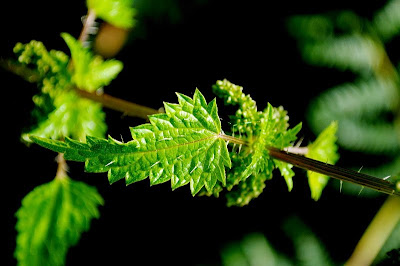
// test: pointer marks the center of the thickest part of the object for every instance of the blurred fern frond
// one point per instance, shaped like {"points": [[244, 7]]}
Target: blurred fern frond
{"points": [[255, 250], [368, 108], [363, 109]]}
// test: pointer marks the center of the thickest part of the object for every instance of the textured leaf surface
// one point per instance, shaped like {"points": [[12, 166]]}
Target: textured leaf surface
{"points": [[252, 165], [52, 218], [90, 72], [183, 146], [59, 112], [73, 116], [323, 149], [117, 12]]}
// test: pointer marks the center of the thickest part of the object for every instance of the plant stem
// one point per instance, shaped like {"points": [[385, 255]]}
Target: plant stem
{"points": [[87, 25], [297, 150], [325, 168], [233, 139], [62, 167], [127, 108], [377, 233], [335, 171], [136, 110], [20, 70]]}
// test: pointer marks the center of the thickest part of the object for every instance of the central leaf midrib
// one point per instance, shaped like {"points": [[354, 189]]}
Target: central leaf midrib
{"points": [[214, 135]]}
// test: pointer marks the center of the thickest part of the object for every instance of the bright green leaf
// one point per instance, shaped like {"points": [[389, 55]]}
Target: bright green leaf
{"points": [[247, 114], [120, 13], [273, 133], [183, 146], [323, 149], [90, 72], [252, 165], [73, 116], [59, 112], [52, 218]]}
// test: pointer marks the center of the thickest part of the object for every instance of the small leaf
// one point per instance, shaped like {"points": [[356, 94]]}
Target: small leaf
{"points": [[59, 112], [90, 72], [286, 172], [74, 117], [252, 165], [52, 218], [323, 149], [117, 12], [183, 146]]}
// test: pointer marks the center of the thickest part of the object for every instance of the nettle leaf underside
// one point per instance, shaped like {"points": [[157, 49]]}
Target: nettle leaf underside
{"points": [[184, 145]]}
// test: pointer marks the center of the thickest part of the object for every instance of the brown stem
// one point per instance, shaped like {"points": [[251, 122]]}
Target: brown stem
{"points": [[135, 110], [128, 108], [330, 170], [335, 171], [20, 70]]}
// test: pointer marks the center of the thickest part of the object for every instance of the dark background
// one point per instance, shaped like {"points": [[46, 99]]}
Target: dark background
{"points": [[180, 47]]}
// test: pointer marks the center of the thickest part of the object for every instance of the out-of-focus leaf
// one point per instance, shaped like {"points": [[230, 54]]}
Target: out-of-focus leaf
{"points": [[90, 72], [252, 250], [387, 20], [120, 13], [52, 218], [309, 250], [73, 116]]}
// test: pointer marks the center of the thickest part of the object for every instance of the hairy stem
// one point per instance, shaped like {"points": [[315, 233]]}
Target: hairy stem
{"points": [[87, 26], [335, 171], [127, 108], [233, 139], [377, 233], [330, 170], [289, 156]]}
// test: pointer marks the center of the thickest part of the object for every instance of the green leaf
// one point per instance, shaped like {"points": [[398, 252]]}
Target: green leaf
{"points": [[90, 72], [52, 218], [273, 133], [247, 190], [120, 13], [253, 250], [323, 149], [355, 52], [247, 114], [184, 145], [73, 116], [387, 20], [252, 165], [59, 112]]}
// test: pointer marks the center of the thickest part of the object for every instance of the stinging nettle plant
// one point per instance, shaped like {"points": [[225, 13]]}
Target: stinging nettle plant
{"points": [[186, 145]]}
